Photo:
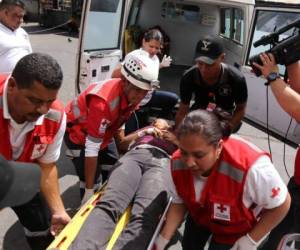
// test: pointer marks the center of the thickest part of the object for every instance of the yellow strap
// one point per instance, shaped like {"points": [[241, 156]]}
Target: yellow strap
{"points": [[119, 228], [68, 234]]}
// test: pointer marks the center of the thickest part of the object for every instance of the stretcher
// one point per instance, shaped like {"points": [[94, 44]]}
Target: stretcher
{"points": [[288, 242], [69, 233]]}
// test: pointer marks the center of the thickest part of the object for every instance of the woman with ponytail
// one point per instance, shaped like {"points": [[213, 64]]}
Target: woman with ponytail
{"points": [[227, 187]]}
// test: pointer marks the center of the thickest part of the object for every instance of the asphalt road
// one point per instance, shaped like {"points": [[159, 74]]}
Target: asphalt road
{"points": [[64, 49]]}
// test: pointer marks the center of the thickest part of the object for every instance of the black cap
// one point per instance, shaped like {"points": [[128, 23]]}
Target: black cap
{"points": [[19, 182], [208, 50]]}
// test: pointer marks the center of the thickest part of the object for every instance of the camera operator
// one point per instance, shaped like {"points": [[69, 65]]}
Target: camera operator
{"points": [[288, 97]]}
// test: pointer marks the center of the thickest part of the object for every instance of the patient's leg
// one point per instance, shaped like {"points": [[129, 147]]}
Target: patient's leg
{"points": [[149, 203], [120, 190]]}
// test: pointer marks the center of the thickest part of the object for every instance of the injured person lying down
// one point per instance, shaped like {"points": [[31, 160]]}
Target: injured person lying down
{"points": [[140, 179]]}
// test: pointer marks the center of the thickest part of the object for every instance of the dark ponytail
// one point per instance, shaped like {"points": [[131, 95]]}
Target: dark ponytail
{"points": [[212, 126]]}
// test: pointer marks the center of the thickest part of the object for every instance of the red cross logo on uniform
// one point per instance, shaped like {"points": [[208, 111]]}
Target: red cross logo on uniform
{"points": [[40, 148], [275, 192], [222, 208]]}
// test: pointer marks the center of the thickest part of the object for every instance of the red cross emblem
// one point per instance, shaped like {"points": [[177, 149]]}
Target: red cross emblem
{"points": [[222, 208], [275, 192], [40, 148]]}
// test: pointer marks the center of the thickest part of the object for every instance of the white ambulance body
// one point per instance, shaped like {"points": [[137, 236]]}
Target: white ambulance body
{"points": [[104, 36]]}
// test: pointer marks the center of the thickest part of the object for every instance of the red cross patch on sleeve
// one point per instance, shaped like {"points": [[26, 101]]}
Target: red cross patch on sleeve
{"points": [[275, 192]]}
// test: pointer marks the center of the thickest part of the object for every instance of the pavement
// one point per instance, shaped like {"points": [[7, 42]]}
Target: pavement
{"points": [[63, 47]]}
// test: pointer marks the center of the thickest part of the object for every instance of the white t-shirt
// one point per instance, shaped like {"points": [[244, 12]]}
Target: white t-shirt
{"points": [[263, 186], [18, 132], [155, 59], [13, 46]]}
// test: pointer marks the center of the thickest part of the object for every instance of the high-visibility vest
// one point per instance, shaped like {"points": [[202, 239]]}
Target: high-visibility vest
{"points": [[37, 140], [220, 208], [77, 112]]}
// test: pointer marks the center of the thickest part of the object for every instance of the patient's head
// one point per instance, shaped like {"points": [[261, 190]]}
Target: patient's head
{"points": [[161, 124]]}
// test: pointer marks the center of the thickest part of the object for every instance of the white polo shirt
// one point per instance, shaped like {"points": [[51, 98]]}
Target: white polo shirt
{"points": [[18, 132], [13, 46]]}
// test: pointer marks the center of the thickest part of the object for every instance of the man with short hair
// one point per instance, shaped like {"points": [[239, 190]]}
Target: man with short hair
{"points": [[213, 84], [32, 126], [14, 41]]}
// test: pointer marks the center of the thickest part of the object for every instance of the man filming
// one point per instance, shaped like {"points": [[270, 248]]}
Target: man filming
{"points": [[288, 97]]}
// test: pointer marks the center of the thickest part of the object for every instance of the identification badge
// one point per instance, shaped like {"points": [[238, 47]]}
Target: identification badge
{"points": [[221, 212]]}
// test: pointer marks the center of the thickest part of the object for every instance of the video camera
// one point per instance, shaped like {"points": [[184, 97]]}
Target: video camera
{"points": [[286, 51]]}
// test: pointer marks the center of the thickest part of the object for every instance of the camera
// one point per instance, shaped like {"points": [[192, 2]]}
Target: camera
{"points": [[285, 51]]}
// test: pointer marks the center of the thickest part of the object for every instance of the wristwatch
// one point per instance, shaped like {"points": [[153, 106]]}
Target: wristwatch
{"points": [[272, 77]]}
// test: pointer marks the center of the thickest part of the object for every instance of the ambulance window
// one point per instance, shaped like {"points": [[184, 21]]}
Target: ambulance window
{"points": [[226, 22], [180, 12], [267, 22], [98, 34], [232, 24]]}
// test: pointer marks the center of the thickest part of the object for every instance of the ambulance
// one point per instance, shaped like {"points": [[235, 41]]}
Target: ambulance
{"points": [[109, 30]]}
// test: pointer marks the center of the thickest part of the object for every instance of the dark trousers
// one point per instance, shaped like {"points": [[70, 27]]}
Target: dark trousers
{"points": [[291, 223], [141, 177], [161, 102], [195, 237], [35, 217]]}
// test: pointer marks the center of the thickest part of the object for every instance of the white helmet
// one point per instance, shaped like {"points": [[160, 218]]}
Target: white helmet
{"points": [[140, 70]]}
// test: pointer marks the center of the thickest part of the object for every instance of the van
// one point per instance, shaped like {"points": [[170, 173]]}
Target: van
{"points": [[111, 28]]}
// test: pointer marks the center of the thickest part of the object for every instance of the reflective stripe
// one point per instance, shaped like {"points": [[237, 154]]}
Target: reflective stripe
{"points": [[53, 115], [1, 101], [96, 88], [76, 110], [94, 139], [29, 233], [228, 170], [178, 164], [114, 103]]}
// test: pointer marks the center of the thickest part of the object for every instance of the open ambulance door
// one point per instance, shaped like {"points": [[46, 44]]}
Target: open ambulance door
{"points": [[102, 26], [262, 107]]}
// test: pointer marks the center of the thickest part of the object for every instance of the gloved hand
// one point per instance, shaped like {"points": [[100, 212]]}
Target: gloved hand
{"points": [[149, 131], [160, 243], [166, 61], [245, 243], [88, 193]]}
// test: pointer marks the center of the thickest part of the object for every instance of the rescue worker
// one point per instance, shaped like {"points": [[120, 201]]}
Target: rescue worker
{"points": [[213, 83], [225, 184], [140, 177], [288, 97], [97, 113], [32, 126]]}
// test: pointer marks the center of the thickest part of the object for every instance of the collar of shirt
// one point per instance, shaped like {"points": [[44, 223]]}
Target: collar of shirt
{"points": [[6, 29], [7, 115]]}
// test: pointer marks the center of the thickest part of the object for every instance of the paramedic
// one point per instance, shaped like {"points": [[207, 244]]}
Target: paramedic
{"points": [[288, 98], [162, 100], [225, 184], [14, 41], [97, 113], [32, 127], [141, 176], [213, 83]]}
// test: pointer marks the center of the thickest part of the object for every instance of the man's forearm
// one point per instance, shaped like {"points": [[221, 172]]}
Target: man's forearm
{"points": [[238, 115], [181, 113], [90, 168], [50, 187]]}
